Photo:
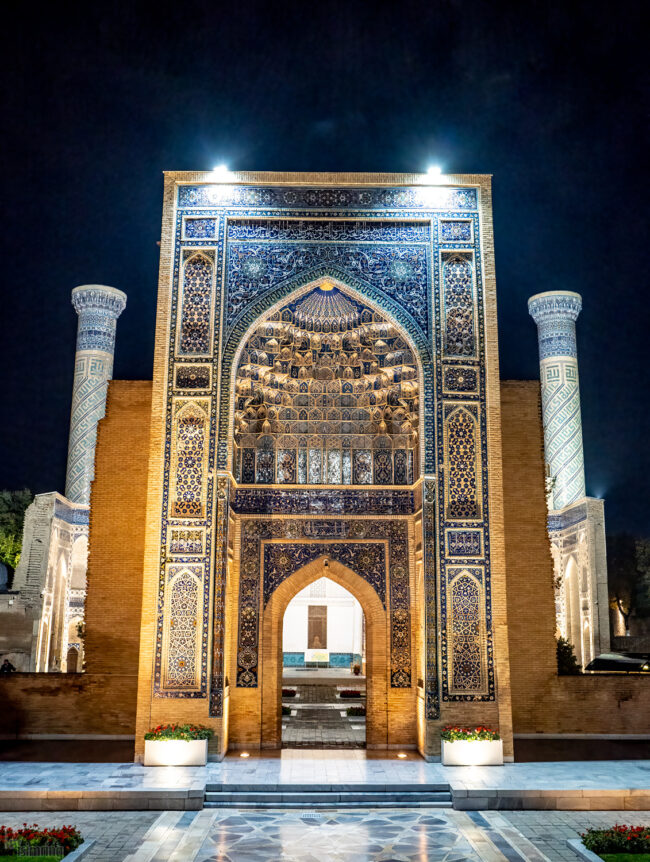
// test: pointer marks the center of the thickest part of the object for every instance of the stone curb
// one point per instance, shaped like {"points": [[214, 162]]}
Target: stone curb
{"points": [[81, 851], [581, 851]]}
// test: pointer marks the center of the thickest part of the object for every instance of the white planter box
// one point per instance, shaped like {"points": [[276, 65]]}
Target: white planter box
{"points": [[175, 752], [472, 752]]}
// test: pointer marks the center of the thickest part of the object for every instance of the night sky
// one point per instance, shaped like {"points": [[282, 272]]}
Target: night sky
{"points": [[550, 98]]}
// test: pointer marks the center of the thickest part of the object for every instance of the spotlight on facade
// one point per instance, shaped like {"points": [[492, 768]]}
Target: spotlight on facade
{"points": [[221, 172], [434, 171]]}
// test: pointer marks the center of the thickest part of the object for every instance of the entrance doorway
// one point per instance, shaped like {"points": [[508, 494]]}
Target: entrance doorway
{"points": [[323, 663]]}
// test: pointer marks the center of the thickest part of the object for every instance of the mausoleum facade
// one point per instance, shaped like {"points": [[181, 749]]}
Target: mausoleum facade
{"points": [[326, 402]]}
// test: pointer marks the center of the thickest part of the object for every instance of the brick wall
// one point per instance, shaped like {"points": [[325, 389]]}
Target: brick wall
{"points": [[103, 699], [542, 702], [116, 541]]}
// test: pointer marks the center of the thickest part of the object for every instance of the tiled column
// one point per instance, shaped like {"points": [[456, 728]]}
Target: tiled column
{"points": [[98, 308], [555, 314]]}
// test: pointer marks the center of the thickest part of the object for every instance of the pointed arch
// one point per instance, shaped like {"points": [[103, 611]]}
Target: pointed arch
{"points": [[377, 668]]}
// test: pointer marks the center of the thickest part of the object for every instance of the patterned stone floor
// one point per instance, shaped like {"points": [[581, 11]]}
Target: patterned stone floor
{"points": [[330, 836]]}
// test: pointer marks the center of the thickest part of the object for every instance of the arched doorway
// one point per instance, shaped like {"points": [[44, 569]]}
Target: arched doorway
{"points": [[377, 666], [323, 685], [326, 454], [72, 659]]}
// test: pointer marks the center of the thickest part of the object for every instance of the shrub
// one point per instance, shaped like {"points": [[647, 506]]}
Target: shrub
{"points": [[186, 732], [350, 692], [618, 839], [66, 837], [452, 733], [286, 710], [289, 692], [567, 663], [356, 710]]}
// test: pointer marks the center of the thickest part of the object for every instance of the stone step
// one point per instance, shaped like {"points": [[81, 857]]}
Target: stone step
{"points": [[360, 787], [369, 803], [332, 797]]}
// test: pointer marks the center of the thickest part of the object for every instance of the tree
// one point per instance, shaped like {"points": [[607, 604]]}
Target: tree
{"points": [[643, 566], [623, 575], [567, 663], [12, 516]]}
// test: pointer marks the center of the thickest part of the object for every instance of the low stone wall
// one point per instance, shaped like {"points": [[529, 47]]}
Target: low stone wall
{"points": [[60, 703], [542, 701]]}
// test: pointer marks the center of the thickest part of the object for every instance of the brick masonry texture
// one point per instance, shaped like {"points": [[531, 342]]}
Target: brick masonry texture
{"points": [[543, 702], [101, 701]]}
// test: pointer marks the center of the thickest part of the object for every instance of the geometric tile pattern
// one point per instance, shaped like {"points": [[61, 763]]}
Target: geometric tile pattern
{"points": [[190, 457], [459, 307], [461, 453], [197, 294], [272, 550], [555, 315], [219, 598], [317, 501], [465, 632], [455, 231], [259, 247], [98, 308], [183, 596]]}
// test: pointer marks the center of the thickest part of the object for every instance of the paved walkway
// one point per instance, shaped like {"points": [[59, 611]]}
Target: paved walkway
{"points": [[319, 718], [596, 785], [331, 836]]}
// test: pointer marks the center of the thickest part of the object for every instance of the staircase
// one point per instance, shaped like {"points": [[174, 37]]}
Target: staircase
{"points": [[314, 796]]}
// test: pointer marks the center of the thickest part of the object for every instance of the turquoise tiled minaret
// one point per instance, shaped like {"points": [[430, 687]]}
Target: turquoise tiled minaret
{"points": [[555, 314], [98, 308]]}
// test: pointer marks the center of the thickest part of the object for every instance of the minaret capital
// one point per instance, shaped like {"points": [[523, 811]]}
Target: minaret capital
{"points": [[555, 305], [99, 297]]}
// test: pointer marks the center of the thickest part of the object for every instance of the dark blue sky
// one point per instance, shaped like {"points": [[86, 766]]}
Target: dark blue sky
{"points": [[552, 99]]}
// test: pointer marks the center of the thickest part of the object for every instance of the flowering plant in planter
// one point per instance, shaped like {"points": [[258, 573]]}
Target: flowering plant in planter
{"points": [[618, 839], [186, 732], [452, 733], [64, 838], [177, 745], [289, 692], [471, 746], [350, 692]]}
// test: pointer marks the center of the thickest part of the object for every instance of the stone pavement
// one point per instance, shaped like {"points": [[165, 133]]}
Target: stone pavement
{"points": [[319, 718], [329, 836], [597, 785]]}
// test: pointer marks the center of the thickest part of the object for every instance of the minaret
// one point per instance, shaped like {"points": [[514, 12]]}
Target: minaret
{"points": [[555, 314], [98, 308]]}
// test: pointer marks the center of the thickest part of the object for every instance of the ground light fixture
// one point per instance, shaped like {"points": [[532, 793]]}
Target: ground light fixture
{"points": [[401, 755], [244, 754]]}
